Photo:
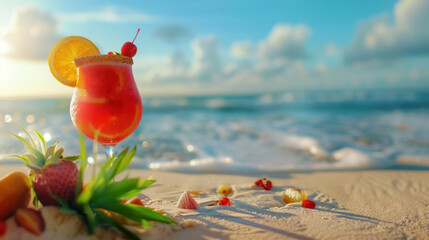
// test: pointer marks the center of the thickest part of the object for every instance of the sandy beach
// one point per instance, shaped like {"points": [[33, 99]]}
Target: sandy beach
{"points": [[379, 204]]}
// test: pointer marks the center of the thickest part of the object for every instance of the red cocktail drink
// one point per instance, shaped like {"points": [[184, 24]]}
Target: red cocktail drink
{"points": [[106, 105]]}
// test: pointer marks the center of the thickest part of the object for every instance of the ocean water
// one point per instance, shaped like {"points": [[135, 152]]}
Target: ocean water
{"points": [[278, 132]]}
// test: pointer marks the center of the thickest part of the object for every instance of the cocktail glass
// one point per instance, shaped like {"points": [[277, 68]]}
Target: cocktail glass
{"points": [[106, 105]]}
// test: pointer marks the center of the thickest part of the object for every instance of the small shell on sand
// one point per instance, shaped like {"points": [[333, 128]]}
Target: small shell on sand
{"points": [[186, 201]]}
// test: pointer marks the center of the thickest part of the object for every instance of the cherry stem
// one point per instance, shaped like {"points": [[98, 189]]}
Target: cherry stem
{"points": [[138, 30]]}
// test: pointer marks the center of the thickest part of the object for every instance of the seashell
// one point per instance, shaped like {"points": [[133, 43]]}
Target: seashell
{"points": [[186, 201]]}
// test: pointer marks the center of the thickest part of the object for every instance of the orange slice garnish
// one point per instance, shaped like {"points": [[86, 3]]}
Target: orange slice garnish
{"points": [[62, 55]]}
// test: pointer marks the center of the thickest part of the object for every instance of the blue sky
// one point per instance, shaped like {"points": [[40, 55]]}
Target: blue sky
{"points": [[215, 47]]}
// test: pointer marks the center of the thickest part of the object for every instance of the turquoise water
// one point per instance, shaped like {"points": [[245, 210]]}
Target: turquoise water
{"points": [[285, 131]]}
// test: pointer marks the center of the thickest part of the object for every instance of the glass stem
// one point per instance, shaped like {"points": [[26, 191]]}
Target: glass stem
{"points": [[110, 150]]}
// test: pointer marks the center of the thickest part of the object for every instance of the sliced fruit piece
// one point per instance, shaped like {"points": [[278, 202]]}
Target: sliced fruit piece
{"points": [[31, 220], [62, 55], [15, 193], [186, 201], [292, 195]]}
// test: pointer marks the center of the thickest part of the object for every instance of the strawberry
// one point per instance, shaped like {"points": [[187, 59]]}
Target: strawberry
{"points": [[58, 180], [54, 176]]}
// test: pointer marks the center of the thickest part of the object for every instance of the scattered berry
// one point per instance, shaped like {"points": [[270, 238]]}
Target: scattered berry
{"points": [[129, 49], [291, 195], [268, 185], [259, 183], [308, 204], [263, 182], [186, 201], [3, 228], [31, 220], [224, 191], [135, 201], [224, 202]]}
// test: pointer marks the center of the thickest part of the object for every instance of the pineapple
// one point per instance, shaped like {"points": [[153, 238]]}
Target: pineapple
{"points": [[103, 195]]}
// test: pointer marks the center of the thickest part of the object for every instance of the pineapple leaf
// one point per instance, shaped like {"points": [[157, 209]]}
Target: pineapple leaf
{"points": [[52, 160], [38, 155], [29, 136], [138, 189], [103, 193], [136, 212], [63, 203], [113, 171], [34, 168], [85, 196], [114, 190], [35, 161], [25, 141], [23, 158], [71, 158], [104, 219], [146, 224], [90, 218], [59, 152], [126, 161], [51, 149], [41, 140]]}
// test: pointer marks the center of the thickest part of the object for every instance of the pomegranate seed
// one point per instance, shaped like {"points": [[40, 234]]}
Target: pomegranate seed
{"points": [[224, 202], [268, 186], [308, 204], [259, 183]]}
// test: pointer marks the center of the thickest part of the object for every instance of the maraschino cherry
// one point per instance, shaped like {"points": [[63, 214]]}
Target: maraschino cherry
{"points": [[129, 49]]}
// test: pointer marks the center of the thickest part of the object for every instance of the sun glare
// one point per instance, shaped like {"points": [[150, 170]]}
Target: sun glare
{"points": [[4, 47]]}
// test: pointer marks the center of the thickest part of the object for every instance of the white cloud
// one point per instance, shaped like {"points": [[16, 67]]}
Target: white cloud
{"points": [[110, 14], [321, 67], [242, 49], [285, 42], [30, 34], [205, 66], [206, 63], [277, 60], [378, 39]]}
